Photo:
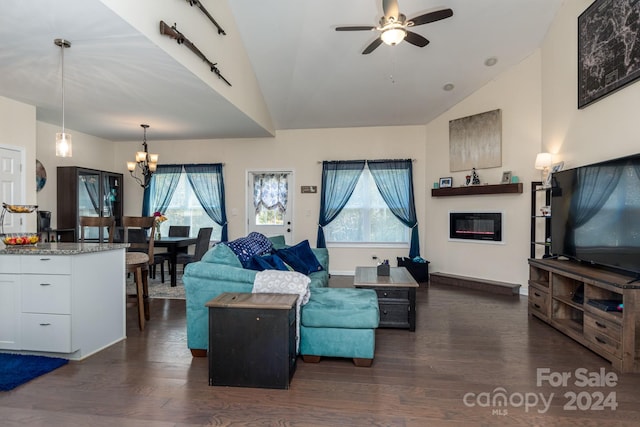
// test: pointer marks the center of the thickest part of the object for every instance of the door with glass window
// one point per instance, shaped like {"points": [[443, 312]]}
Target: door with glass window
{"points": [[270, 203]]}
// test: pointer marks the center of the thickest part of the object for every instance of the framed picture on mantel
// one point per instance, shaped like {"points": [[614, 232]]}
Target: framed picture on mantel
{"points": [[446, 182]]}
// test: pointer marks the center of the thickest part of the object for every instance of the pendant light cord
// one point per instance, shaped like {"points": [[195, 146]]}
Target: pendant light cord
{"points": [[62, 47]]}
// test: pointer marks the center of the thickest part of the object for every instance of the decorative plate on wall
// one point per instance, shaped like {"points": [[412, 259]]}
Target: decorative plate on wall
{"points": [[41, 175]]}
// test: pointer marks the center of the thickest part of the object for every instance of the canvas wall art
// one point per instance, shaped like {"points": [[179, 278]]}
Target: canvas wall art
{"points": [[476, 141], [608, 48]]}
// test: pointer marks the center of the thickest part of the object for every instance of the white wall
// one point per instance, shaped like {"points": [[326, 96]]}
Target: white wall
{"points": [[606, 129], [517, 93], [300, 151], [228, 50], [18, 130]]}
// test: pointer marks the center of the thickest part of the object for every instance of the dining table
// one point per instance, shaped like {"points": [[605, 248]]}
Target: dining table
{"points": [[172, 244]]}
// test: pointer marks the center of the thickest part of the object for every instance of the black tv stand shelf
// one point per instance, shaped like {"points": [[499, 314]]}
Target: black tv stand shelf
{"points": [[614, 335], [540, 224]]}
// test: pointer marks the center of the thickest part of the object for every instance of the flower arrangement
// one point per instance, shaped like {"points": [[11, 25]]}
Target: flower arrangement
{"points": [[159, 218]]}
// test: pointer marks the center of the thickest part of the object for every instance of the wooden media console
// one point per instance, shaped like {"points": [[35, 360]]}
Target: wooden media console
{"points": [[581, 302]]}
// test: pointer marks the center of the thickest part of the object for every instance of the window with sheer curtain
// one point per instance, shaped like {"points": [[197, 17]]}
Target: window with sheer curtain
{"points": [[185, 209], [366, 218], [188, 195], [270, 197]]}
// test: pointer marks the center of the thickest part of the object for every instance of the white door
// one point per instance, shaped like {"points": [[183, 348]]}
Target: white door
{"points": [[11, 190], [270, 203]]}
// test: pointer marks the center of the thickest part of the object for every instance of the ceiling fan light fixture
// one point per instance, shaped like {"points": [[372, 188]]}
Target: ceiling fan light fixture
{"points": [[393, 36]]}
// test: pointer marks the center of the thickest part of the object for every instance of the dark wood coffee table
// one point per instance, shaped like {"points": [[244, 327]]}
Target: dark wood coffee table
{"points": [[396, 295]]}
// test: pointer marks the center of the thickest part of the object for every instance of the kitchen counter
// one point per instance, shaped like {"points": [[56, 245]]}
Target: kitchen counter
{"points": [[61, 248]]}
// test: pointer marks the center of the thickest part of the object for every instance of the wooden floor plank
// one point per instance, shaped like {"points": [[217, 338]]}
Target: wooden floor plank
{"points": [[466, 341]]}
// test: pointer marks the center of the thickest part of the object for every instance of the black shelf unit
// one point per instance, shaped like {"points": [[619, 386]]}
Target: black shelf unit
{"points": [[540, 220], [87, 192]]}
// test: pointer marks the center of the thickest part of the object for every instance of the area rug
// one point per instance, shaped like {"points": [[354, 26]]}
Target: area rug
{"points": [[17, 369], [157, 289]]}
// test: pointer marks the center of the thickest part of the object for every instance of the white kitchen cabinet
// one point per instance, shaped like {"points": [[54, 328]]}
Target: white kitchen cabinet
{"points": [[63, 299], [9, 303]]}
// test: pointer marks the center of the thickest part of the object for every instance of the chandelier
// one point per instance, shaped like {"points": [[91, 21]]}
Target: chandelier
{"points": [[145, 164]]}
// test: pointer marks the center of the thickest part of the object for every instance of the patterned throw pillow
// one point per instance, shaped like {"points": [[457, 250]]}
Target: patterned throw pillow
{"points": [[246, 247]]}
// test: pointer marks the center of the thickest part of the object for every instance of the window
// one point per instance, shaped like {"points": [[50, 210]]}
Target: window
{"points": [[270, 195], [366, 218], [185, 209]]}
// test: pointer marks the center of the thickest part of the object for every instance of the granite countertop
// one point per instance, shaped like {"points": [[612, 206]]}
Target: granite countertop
{"points": [[61, 248]]}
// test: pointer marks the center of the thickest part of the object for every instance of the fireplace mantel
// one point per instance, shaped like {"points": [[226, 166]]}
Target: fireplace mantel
{"points": [[473, 190]]}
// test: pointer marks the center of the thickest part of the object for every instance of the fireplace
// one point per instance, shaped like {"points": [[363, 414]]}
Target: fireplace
{"points": [[484, 226]]}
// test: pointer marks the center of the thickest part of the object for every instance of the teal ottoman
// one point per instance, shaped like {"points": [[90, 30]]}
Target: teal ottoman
{"points": [[339, 322]]}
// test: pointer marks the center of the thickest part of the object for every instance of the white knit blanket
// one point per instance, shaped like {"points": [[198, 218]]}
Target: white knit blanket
{"points": [[284, 282]]}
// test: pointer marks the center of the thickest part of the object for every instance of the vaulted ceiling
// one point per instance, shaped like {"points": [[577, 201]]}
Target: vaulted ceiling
{"points": [[310, 75]]}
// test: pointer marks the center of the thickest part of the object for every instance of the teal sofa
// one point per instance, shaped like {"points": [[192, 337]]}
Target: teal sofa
{"points": [[335, 322], [221, 271], [340, 322]]}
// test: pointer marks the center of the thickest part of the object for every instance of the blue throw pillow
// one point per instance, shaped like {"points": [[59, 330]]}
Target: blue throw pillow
{"points": [[266, 262], [301, 258], [246, 247]]}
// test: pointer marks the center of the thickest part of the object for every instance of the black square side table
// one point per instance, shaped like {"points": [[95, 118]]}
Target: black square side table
{"points": [[252, 340]]}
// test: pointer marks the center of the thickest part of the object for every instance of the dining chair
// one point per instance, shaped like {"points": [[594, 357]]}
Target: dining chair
{"points": [[202, 246], [160, 258], [138, 258], [98, 222], [179, 230]]}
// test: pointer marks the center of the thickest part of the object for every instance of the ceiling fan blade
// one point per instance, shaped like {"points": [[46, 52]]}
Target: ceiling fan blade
{"points": [[416, 39], [390, 8], [360, 28], [432, 17], [372, 46]]}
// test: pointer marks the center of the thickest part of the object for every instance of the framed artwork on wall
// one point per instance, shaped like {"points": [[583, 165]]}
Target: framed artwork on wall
{"points": [[41, 175], [476, 141], [608, 48], [555, 168]]}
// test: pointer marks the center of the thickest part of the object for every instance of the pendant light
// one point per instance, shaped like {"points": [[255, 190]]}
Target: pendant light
{"points": [[63, 139]]}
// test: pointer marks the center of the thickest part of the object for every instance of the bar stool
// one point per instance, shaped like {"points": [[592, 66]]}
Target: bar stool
{"points": [[138, 257], [99, 222]]}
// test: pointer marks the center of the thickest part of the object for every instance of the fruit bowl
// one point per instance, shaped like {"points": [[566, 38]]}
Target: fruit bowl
{"points": [[19, 208], [20, 239]]}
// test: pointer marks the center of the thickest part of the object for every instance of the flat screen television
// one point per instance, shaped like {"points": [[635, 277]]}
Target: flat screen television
{"points": [[595, 214]]}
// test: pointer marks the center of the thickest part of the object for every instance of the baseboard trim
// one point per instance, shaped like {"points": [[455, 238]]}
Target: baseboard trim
{"points": [[485, 285]]}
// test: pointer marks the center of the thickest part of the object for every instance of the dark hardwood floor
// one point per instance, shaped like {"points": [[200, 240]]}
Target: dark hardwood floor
{"points": [[469, 347]]}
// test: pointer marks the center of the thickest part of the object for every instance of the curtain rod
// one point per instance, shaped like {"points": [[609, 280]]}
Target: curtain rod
{"points": [[190, 164], [372, 160]]}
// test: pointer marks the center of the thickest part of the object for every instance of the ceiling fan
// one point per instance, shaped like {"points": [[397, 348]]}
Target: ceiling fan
{"points": [[393, 26]]}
